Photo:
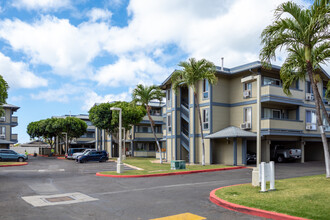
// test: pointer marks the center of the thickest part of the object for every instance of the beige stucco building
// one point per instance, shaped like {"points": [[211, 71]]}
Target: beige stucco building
{"points": [[7, 122], [229, 117]]}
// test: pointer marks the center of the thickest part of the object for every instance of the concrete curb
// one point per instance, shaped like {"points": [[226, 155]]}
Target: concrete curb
{"points": [[61, 158], [170, 174], [247, 210], [15, 165]]}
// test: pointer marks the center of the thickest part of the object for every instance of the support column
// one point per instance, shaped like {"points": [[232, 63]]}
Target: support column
{"points": [[96, 138], [302, 146], [244, 151], [235, 151]]}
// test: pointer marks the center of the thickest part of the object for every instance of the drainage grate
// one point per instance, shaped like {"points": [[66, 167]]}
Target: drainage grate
{"points": [[59, 199]]}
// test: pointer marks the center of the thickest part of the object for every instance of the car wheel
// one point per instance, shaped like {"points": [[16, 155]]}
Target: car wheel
{"points": [[83, 161], [280, 159], [20, 159]]}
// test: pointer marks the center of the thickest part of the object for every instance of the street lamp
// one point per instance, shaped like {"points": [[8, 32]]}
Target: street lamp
{"points": [[120, 166]]}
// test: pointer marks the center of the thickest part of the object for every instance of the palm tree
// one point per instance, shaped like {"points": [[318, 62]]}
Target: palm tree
{"points": [[305, 35], [192, 72], [144, 95]]}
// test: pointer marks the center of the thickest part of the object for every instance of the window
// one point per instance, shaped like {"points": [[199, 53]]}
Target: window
{"points": [[155, 111], [311, 118], [247, 86], [205, 119], [168, 98], [309, 88], [276, 114], [2, 130], [169, 124], [152, 147], [205, 89], [89, 123], [140, 147], [325, 123], [271, 81], [247, 115]]}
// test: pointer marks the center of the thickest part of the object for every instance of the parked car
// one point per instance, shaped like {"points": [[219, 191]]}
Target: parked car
{"points": [[251, 157], [93, 155], [283, 153], [10, 155], [78, 154], [71, 151]]}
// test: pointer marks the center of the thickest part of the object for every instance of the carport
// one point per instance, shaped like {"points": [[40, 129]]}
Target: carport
{"points": [[229, 145]]}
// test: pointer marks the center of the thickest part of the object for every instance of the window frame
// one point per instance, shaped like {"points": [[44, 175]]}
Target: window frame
{"points": [[245, 113], [205, 112], [206, 88], [169, 124]]}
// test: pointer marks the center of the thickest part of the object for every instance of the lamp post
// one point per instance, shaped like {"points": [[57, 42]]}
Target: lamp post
{"points": [[120, 167]]}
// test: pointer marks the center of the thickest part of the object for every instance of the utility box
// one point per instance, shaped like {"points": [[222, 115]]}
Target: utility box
{"points": [[178, 164]]}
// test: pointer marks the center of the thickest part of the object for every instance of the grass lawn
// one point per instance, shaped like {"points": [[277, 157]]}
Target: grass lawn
{"points": [[307, 197], [153, 168], [11, 163]]}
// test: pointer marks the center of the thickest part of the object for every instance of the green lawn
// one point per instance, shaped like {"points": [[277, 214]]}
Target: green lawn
{"points": [[153, 168], [307, 197], [11, 163]]}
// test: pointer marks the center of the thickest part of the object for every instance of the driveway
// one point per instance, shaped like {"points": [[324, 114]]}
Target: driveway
{"points": [[137, 198]]}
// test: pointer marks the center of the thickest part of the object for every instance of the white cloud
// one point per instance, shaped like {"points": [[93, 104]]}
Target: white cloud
{"points": [[92, 97], [43, 5], [62, 94], [66, 48], [17, 74], [99, 14], [130, 71]]}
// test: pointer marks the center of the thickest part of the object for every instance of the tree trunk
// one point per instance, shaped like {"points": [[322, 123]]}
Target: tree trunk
{"points": [[319, 120], [201, 124], [152, 123]]}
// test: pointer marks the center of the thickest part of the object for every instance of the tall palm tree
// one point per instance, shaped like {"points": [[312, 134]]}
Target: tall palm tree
{"points": [[192, 72], [144, 95], [305, 35]]}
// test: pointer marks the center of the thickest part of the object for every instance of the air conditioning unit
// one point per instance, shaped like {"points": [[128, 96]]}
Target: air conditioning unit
{"points": [[309, 127], [246, 125], [2, 118], [2, 136], [247, 93], [309, 97]]}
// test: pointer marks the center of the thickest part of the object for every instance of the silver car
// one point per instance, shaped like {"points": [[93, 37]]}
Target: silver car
{"points": [[78, 154]]}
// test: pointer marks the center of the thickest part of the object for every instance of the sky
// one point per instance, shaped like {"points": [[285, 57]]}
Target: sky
{"points": [[62, 56]]}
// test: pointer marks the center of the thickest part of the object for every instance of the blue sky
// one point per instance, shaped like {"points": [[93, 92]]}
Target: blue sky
{"points": [[62, 56]]}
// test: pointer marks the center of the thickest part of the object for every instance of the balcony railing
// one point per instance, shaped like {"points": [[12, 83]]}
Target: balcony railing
{"points": [[14, 119], [185, 112], [282, 124], [278, 91]]}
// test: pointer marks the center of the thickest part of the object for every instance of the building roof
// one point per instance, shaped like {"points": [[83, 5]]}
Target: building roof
{"points": [[231, 132], [6, 142], [14, 107], [241, 68], [35, 143]]}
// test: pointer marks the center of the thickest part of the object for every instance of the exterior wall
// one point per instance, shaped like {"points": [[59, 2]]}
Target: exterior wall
{"points": [[9, 122]]}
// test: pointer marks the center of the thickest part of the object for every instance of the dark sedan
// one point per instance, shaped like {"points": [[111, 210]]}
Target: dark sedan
{"points": [[93, 155]]}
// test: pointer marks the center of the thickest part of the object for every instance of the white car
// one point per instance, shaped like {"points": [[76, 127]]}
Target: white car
{"points": [[78, 154]]}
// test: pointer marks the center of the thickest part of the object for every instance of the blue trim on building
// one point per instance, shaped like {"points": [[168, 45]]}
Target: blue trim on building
{"points": [[279, 119], [194, 129], [175, 127]]}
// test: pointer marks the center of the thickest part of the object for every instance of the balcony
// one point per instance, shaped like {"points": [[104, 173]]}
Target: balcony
{"points": [[282, 124], [277, 93], [14, 137]]}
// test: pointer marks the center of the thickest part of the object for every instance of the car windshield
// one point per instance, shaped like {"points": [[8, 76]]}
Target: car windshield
{"points": [[86, 152]]}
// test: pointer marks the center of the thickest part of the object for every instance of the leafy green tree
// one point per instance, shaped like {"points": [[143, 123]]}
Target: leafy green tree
{"points": [[144, 95], [193, 72], [33, 130], [74, 127], [305, 35], [3, 93], [99, 115]]}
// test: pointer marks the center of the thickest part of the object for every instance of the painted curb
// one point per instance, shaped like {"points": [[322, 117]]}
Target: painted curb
{"points": [[247, 210], [170, 174], [61, 158], [14, 165]]}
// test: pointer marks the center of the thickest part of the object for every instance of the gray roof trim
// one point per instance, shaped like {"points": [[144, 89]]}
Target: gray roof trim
{"points": [[6, 142], [10, 106], [230, 132]]}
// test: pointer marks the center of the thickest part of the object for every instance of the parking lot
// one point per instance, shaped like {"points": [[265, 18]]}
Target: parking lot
{"points": [[56, 182]]}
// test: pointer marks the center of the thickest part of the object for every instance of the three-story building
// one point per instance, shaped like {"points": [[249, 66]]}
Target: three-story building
{"points": [[7, 122], [229, 116]]}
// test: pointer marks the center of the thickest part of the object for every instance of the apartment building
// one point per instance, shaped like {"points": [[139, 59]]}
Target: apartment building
{"points": [[7, 122], [141, 139], [229, 117]]}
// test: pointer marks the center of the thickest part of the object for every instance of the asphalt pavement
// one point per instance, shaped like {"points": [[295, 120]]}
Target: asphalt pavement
{"points": [[116, 198]]}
